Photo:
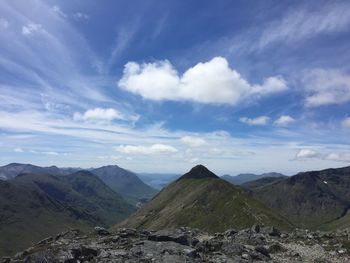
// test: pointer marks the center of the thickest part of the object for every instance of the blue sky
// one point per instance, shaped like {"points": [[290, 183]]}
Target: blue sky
{"points": [[159, 86]]}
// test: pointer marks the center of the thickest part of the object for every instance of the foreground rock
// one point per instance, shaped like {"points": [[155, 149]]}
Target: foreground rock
{"points": [[259, 243]]}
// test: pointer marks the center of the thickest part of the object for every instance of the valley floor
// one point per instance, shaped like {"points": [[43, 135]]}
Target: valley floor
{"points": [[259, 243]]}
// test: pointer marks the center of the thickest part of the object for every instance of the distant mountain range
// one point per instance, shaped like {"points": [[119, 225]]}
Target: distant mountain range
{"points": [[253, 185], [158, 180], [34, 206], [13, 169], [40, 201], [202, 200], [118, 179], [244, 178]]}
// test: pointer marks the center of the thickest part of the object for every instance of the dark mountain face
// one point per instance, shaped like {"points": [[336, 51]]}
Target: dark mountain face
{"points": [[201, 199], [34, 206], [198, 172], [316, 199], [243, 178], [124, 182], [13, 169]]}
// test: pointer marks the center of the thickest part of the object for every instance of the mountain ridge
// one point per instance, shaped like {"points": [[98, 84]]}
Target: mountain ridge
{"points": [[247, 177], [205, 202]]}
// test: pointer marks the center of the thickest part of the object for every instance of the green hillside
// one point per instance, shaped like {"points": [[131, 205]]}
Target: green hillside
{"points": [[35, 206], [316, 199], [200, 199]]}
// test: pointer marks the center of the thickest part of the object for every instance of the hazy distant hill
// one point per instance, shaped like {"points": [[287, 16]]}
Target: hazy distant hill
{"points": [[201, 199], [34, 206], [262, 182], [124, 182], [315, 199], [13, 169], [158, 180], [243, 178]]}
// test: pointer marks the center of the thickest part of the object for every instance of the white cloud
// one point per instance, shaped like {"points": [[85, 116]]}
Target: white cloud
{"points": [[31, 28], [284, 120], [339, 157], [153, 149], [4, 23], [326, 87], [259, 121], [331, 156], [346, 123], [79, 15], [56, 9], [210, 82], [306, 154], [18, 150], [193, 141], [50, 153], [100, 114]]}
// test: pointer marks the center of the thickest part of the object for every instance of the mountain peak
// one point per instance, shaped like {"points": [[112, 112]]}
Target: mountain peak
{"points": [[199, 172]]}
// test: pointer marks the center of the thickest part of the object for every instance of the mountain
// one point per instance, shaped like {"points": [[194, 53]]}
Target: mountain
{"points": [[262, 182], [13, 169], [124, 182], [158, 180], [120, 180], [315, 199], [34, 206], [243, 178], [201, 199]]}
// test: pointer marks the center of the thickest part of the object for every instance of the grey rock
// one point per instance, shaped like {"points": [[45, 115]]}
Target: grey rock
{"points": [[259, 243], [101, 231]]}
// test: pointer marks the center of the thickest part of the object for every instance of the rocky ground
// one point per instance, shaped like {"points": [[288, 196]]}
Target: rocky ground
{"points": [[258, 243]]}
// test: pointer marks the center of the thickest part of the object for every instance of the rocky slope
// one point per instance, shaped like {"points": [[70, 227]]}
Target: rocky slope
{"points": [[315, 199], [259, 243], [201, 199]]}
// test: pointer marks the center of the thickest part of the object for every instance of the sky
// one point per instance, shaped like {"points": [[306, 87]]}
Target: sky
{"points": [[160, 86]]}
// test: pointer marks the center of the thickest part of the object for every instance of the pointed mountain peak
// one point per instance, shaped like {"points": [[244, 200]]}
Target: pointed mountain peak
{"points": [[199, 172]]}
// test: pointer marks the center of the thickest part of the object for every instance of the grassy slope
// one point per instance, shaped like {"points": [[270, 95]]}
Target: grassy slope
{"points": [[209, 204], [124, 182], [28, 216], [308, 201], [261, 182], [35, 206]]}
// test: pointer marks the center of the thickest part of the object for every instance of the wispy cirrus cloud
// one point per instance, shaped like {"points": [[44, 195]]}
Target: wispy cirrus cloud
{"points": [[346, 123], [193, 141], [32, 28], [4, 23], [326, 87], [304, 23]]}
